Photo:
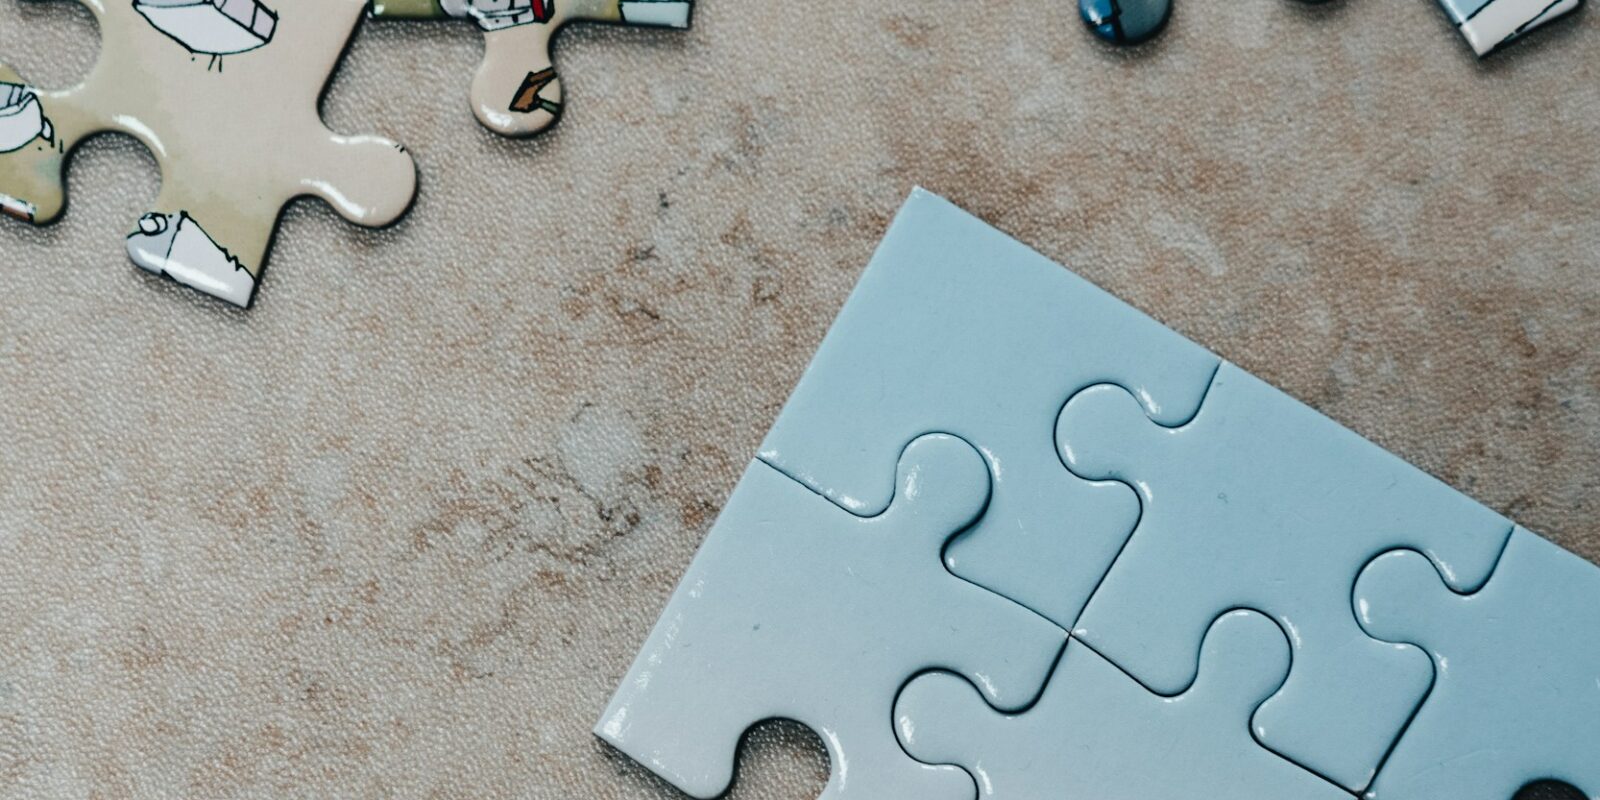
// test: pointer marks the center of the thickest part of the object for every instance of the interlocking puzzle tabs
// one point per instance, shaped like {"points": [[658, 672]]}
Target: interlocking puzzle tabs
{"points": [[516, 91], [224, 93], [1010, 537]]}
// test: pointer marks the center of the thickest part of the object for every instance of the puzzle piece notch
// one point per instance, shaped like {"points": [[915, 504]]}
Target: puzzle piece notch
{"points": [[235, 128], [1097, 733], [516, 91], [956, 327], [1488, 25], [1516, 696], [796, 609], [1261, 502]]}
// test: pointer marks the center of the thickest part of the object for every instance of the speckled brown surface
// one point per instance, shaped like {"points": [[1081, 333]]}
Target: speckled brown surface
{"points": [[398, 530]]}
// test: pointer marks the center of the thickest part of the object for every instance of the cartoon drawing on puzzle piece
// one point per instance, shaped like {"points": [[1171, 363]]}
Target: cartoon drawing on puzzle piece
{"points": [[1488, 25], [517, 92], [529, 98], [213, 28], [177, 246], [22, 118], [232, 151], [22, 122], [492, 15]]}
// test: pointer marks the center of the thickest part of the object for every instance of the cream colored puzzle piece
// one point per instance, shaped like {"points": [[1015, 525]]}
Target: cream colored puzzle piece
{"points": [[516, 91], [224, 93]]}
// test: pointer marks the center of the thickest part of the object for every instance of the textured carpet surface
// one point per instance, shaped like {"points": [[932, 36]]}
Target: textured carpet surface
{"points": [[397, 531]]}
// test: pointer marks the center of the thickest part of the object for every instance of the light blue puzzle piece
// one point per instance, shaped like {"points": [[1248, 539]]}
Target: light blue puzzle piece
{"points": [[956, 327], [1097, 734], [1517, 697], [797, 609], [1260, 502]]}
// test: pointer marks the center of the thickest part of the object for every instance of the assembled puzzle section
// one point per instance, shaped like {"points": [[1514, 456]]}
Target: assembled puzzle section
{"points": [[1260, 502], [1516, 698], [516, 91], [1097, 734], [797, 609], [956, 327], [1137, 491], [224, 93]]}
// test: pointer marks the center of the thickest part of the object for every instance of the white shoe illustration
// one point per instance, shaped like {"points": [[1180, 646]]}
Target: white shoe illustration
{"points": [[657, 13], [175, 245], [22, 119], [1497, 22], [494, 15], [17, 207], [212, 27]]}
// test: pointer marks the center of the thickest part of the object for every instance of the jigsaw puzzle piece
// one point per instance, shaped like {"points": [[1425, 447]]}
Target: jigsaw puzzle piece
{"points": [[956, 327], [796, 609], [356, 175], [1517, 693], [1489, 24], [34, 124], [516, 91], [1261, 502], [1096, 733], [225, 93]]}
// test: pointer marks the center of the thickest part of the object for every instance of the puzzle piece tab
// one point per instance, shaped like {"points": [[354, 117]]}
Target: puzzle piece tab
{"points": [[796, 609], [224, 93], [1260, 502], [1517, 693], [1489, 24], [516, 91], [956, 327], [1096, 733]]}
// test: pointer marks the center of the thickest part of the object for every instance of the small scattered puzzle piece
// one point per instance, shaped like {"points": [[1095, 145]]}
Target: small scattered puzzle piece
{"points": [[956, 327], [1489, 24], [1517, 693], [1260, 502], [516, 91], [224, 93], [1097, 734], [1125, 21], [796, 609]]}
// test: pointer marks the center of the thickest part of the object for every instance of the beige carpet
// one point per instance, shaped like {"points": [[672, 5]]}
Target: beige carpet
{"points": [[397, 531]]}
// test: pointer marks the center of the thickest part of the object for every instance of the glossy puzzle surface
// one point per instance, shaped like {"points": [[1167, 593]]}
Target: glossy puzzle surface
{"points": [[224, 93], [1196, 530], [516, 91]]}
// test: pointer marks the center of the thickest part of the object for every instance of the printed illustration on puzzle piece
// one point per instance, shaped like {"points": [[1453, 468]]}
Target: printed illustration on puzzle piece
{"points": [[1260, 502], [1097, 733], [516, 91], [796, 609], [1488, 25], [956, 327], [1516, 698], [224, 93]]}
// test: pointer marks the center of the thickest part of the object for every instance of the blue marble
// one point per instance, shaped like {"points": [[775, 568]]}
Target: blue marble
{"points": [[1125, 21]]}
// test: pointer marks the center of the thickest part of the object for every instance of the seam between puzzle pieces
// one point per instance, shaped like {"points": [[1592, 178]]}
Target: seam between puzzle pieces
{"points": [[1050, 434], [1433, 667]]}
